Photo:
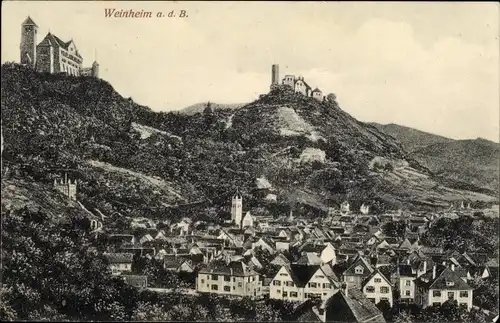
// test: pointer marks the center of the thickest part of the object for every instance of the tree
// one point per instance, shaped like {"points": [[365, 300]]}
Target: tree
{"points": [[331, 97]]}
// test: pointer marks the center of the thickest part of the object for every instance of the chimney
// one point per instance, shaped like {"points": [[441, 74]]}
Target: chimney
{"points": [[344, 287], [408, 261], [434, 272], [65, 178], [425, 266], [453, 267]]}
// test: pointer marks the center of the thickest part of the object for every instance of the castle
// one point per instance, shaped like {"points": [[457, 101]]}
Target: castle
{"points": [[66, 187], [51, 55], [298, 84]]}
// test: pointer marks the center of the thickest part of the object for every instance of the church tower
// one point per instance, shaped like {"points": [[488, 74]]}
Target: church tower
{"points": [[237, 208], [29, 32]]}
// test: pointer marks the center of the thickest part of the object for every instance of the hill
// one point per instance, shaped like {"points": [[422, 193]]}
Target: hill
{"points": [[475, 161], [472, 161], [411, 139], [131, 160], [199, 107]]}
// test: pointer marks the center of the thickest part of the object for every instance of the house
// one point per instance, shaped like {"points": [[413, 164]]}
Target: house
{"points": [[300, 282], [440, 285], [119, 262], [405, 279], [357, 272], [344, 207], [351, 305], [248, 220], [377, 288], [280, 260], [309, 258], [264, 243], [232, 279]]}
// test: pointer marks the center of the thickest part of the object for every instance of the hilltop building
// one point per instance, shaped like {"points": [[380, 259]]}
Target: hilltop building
{"points": [[298, 84], [51, 55], [66, 187]]}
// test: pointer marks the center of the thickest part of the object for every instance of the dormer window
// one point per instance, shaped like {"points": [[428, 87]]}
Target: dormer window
{"points": [[358, 270], [450, 283]]}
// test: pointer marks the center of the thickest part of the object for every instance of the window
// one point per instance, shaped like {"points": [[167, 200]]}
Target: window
{"points": [[436, 304], [408, 283], [285, 294], [326, 285], [227, 278], [293, 294], [377, 280], [358, 270], [384, 299], [203, 281], [289, 283], [234, 287], [350, 279], [312, 285], [227, 288], [384, 289], [277, 282], [451, 295], [320, 276], [370, 289], [463, 304], [240, 284], [215, 277], [464, 293], [215, 287], [450, 283], [278, 291], [407, 293], [436, 293], [283, 274], [253, 279]]}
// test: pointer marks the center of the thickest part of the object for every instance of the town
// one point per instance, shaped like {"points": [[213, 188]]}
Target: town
{"points": [[349, 257], [352, 261]]}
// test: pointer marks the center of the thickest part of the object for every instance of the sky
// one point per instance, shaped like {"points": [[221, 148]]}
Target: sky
{"points": [[430, 66]]}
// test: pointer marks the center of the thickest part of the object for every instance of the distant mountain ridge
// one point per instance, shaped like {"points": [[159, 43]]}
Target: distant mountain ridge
{"points": [[410, 138], [476, 161], [199, 107]]}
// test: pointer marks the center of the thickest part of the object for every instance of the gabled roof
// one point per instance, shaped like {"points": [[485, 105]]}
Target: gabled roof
{"points": [[443, 276], [29, 22], [119, 257], [234, 268], [353, 307], [301, 274], [357, 261], [309, 258], [375, 272]]}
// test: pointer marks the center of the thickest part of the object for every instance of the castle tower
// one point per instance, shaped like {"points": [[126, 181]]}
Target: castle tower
{"points": [[237, 208], [275, 75], [29, 32], [95, 69]]}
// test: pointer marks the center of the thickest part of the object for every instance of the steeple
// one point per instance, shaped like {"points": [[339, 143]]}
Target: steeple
{"points": [[29, 22]]}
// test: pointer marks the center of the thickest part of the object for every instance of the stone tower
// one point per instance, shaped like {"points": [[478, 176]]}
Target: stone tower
{"points": [[95, 69], [29, 32], [237, 208], [275, 74]]}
